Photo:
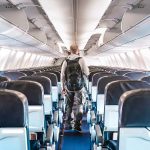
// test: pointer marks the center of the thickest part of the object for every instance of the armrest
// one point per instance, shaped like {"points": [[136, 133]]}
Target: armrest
{"points": [[49, 134], [89, 104], [99, 137], [93, 117], [60, 104], [55, 117]]}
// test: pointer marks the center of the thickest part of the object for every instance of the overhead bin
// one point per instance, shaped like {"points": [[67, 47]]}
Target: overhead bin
{"points": [[112, 33], [135, 26], [17, 32], [14, 16], [139, 31], [37, 33], [13, 33], [135, 15]]}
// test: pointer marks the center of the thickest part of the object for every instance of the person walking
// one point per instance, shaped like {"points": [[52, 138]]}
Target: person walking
{"points": [[74, 72]]}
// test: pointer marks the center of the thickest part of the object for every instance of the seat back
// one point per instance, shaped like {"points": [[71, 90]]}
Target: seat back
{"points": [[134, 120], [34, 93], [146, 79], [113, 92], [95, 79], [135, 75], [28, 72], [56, 73], [46, 83], [13, 75], [54, 83], [13, 121], [58, 79], [90, 80], [2, 79], [122, 72], [102, 82]]}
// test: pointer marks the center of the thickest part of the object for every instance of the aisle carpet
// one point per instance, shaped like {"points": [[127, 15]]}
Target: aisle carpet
{"points": [[77, 141]]}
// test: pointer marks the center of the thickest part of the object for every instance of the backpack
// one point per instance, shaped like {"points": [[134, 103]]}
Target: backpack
{"points": [[73, 75]]}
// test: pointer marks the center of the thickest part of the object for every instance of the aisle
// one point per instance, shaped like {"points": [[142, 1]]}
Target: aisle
{"points": [[77, 141]]}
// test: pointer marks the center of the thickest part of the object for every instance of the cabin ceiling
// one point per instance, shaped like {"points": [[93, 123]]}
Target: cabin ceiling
{"points": [[64, 22], [34, 22], [36, 16], [113, 21], [75, 20]]}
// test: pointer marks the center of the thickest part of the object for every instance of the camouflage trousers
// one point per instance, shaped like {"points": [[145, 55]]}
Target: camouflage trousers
{"points": [[74, 108]]}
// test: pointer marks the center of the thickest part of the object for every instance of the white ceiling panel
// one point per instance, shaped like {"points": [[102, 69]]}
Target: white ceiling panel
{"points": [[60, 13], [89, 13], [75, 20]]}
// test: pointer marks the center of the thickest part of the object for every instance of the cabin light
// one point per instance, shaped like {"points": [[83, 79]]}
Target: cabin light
{"points": [[12, 131]]}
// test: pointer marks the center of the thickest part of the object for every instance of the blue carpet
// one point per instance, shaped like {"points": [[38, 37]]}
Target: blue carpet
{"points": [[73, 140]]}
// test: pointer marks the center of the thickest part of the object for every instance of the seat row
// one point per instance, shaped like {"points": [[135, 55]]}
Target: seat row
{"points": [[115, 115], [36, 108]]}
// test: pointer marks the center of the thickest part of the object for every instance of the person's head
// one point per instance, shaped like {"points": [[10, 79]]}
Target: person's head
{"points": [[74, 49], [68, 52]]}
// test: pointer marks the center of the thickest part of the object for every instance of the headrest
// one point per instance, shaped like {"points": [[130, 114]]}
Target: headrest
{"points": [[92, 73], [44, 81], [32, 90], [56, 73], [36, 71], [134, 108], [13, 75], [122, 72], [4, 79], [97, 76], [103, 81], [13, 109], [51, 76], [115, 89], [146, 79], [28, 72], [135, 75], [112, 70]]}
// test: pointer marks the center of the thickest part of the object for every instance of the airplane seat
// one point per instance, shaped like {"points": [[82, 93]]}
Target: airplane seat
{"points": [[54, 83], [13, 121], [146, 79], [102, 82], [95, 79], [13, 75], [135, 75], [46, 83], [99, 113], [2, 78], [92, 72], [111, 144], [134, 120], [113, 91], [57, 73], [90, 80], [51, 118], [28, 72], [122, 72], [37, 71], [34, 93], [111, 71]]}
